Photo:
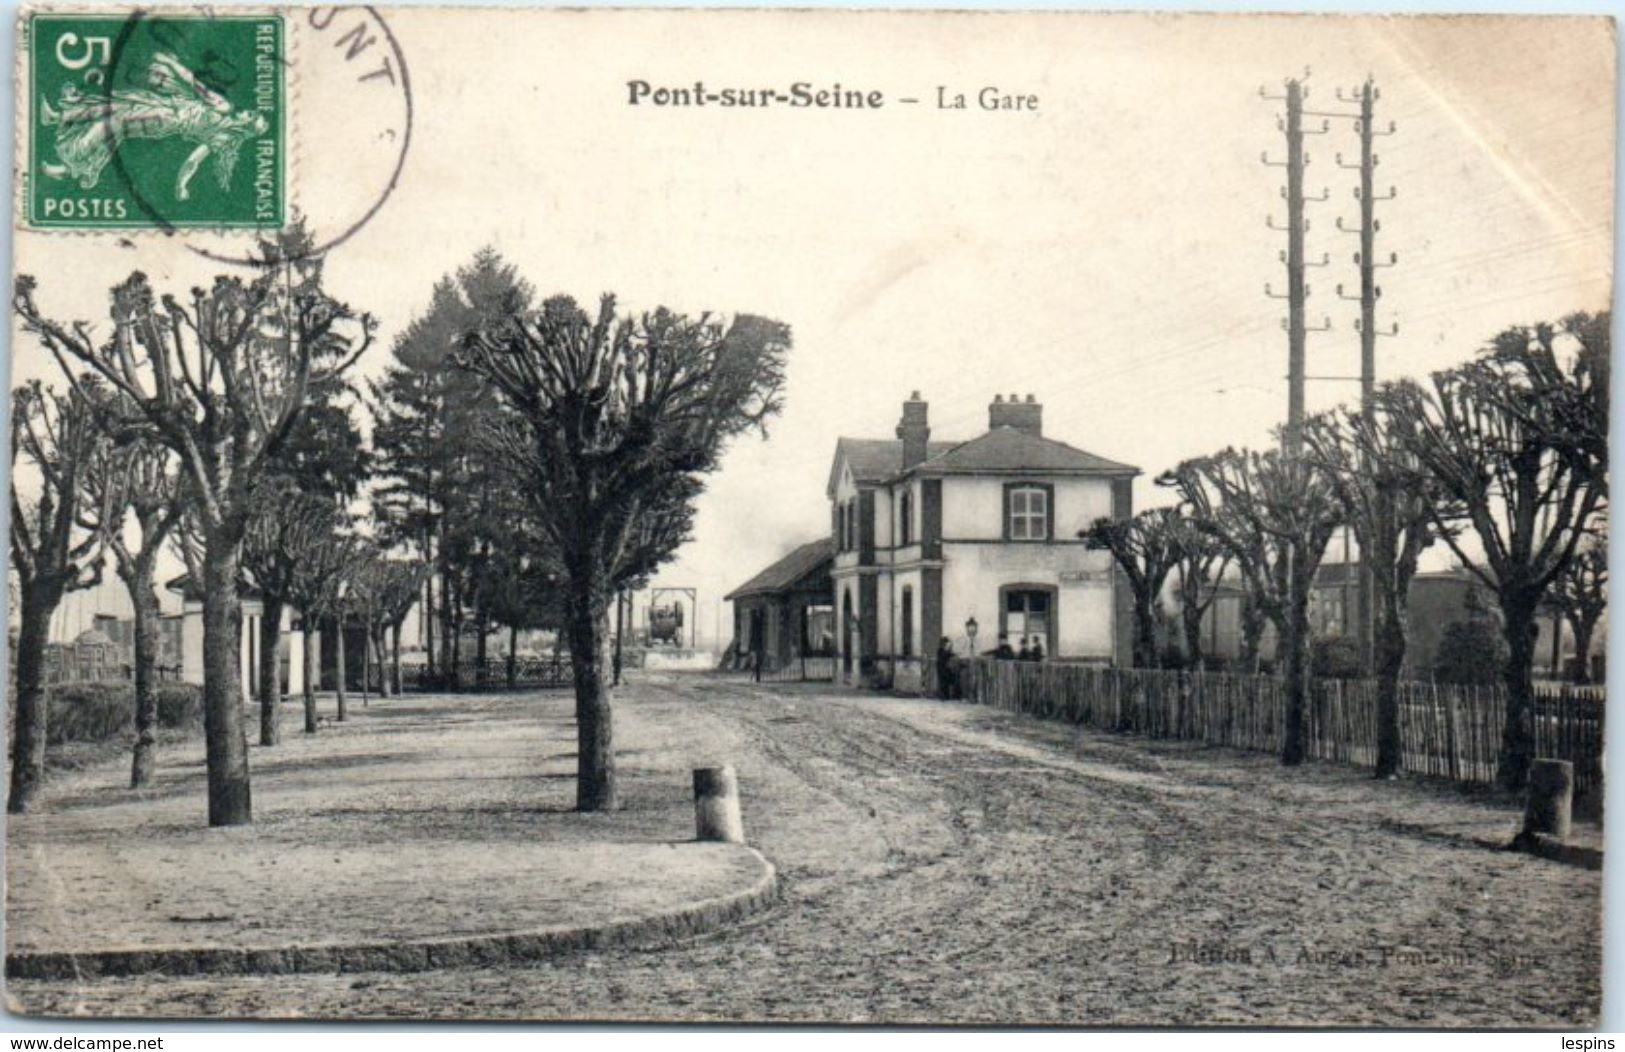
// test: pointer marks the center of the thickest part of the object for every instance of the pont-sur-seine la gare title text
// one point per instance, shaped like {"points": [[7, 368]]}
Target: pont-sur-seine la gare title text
{"points": [[805, 95]]}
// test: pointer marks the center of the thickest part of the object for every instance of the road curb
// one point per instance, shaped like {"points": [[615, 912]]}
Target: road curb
{"points": [[407, 956]]}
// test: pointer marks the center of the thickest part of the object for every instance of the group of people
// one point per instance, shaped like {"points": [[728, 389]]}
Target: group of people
{"points": [[1032, 649]]}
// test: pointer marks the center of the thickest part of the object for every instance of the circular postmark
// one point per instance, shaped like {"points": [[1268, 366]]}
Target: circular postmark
{"points": [[297, 115]]}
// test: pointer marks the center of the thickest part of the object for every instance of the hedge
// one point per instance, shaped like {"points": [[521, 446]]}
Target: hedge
{"points": [[98, 712]]}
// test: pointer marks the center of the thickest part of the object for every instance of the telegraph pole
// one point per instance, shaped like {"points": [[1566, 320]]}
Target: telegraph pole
{"points": [[1370, 292], [1297, 225]]}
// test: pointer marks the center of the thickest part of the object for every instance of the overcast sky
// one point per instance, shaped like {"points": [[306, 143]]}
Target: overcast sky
{"points": [[1107, 254]]}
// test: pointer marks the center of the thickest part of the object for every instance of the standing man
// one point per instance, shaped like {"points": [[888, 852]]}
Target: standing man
{"points": [[945, 669]]}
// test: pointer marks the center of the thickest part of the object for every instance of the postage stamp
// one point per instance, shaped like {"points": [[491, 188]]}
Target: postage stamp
{"points": [[155, 121]]}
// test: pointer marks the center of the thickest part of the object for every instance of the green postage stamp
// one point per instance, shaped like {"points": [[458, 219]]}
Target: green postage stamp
{"points": [[155, 120]]}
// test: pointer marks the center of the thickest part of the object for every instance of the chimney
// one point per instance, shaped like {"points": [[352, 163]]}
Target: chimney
{"points": [[914, 432], [1025, 416]]}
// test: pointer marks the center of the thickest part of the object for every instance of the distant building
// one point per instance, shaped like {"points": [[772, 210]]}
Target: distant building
{"points": [[933, 539], [1437, 600], [787, 611]]}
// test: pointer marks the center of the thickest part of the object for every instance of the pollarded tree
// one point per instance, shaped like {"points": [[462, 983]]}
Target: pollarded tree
{"points": [[287, 527], [1581, 594], [400, 593], [1277, 513], [1393, 509], [1517, 440], [57, 437], [219, 379], [621, 418], [328, 558], [382, 593], [1201, 560], [133, 477], [1145, 551]]}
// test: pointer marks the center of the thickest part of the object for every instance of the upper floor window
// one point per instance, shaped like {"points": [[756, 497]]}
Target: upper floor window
{"points": [[1027, 512], [905, 520]]}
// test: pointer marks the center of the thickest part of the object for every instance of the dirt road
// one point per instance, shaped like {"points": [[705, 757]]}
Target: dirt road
{"points": [[947, 863]]}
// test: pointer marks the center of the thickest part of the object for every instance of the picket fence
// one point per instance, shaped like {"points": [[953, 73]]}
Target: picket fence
{"points": [[1446, 731]]}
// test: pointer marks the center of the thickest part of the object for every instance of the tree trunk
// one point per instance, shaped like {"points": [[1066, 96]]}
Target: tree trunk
{"points": [[366, 663], [308, 625], [226, 742], [454, 666], [1145, 634], [270, 671], [1252, 636], [28, 730], [378, 663], [596, 788], [1389, 654], [450, 636], [338, 666], [480, 651], [1583, 628], [513, 656], [1518, 735], [428, 623], [1190, 616], [395, 658], [1295, 641], [144, 601]]}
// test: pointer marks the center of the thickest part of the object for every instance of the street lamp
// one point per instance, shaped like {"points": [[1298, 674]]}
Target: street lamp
{"points": [[970, 631]]}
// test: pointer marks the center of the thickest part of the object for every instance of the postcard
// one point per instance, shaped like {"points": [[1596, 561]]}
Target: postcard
{"points": [[831, 517]]}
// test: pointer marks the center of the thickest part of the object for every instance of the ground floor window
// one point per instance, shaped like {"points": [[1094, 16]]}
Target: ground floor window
{"points": [[1028, 616]]}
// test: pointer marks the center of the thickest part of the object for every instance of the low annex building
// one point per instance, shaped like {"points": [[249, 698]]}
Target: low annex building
{"points": [[784, 612], [973, 540]]}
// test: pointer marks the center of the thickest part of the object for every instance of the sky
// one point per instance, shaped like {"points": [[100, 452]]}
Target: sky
{"points": [[1106, 253]]}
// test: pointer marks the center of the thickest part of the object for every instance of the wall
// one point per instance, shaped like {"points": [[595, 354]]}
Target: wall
{"points": [[973, 508], [974, 573], [846, 490], [894, 614]]}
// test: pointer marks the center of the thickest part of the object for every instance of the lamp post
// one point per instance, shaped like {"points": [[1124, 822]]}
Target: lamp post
{"points": [[970, 668]]}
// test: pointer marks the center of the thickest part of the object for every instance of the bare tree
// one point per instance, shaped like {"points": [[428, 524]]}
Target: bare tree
{"points": [[286, 528], [383, 592], [327, 560], [1145, 549], [130, 476], [1517, 439], [1393, 509], [621, 418], [1201, 561], [1580, 593], [58, 437], [220, 380], [1277, 513]]}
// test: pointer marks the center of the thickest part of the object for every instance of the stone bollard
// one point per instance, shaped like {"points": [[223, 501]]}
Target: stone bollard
{"points": [[1551, 798], [716, 805]]}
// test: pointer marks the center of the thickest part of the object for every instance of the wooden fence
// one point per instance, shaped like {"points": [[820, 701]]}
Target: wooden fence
{"points": [[530, 673], [1447, 731]]}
